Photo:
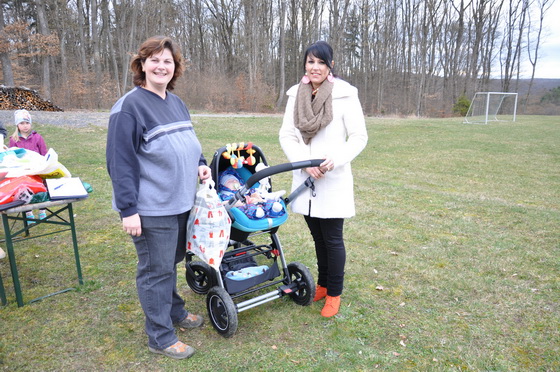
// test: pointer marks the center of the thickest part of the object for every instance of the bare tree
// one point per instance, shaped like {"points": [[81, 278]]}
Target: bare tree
{"points": [[95, 44], [281, 54], [110, 45], [7, 72], [195, 30], [44, 30], [250, 16], [82, 33], [490, 41], [510, 50], [405, 56], [225, 14], [338, 16], [533, 48], [126, 19]]}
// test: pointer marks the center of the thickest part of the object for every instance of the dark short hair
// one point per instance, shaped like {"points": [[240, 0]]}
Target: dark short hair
{"points": [[322, 50], [151, 46]]}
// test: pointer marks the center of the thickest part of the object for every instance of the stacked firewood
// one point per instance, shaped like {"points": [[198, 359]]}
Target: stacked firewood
{"points": [[15, 98]]}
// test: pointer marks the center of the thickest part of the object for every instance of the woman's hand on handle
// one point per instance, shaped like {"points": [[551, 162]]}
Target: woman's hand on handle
{"points": [[319, 172], [327, 165]]}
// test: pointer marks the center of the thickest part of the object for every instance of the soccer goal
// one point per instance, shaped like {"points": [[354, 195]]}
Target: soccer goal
{"points": [[492, 106]]}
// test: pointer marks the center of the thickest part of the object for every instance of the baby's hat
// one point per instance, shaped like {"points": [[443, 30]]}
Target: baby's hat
{"points": [[225, 179], [22, 115]]}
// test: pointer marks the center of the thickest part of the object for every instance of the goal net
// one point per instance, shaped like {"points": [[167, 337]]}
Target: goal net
{"points": [[492, 106]]}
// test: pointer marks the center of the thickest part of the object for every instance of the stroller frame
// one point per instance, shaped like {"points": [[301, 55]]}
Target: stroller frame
{"points": [[293, 279]]}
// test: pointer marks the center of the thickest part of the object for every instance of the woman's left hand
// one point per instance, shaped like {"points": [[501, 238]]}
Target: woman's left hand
{"points": [[319, 172], [327, 165], [315, 172], [204, 172]]}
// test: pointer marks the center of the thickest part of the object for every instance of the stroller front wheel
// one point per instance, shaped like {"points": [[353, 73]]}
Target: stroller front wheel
{"points": [[200, 277], [305, 284], [222, 311]]}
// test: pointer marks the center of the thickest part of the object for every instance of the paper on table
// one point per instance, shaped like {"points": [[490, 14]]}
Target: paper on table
{"points": [[66, 188]]}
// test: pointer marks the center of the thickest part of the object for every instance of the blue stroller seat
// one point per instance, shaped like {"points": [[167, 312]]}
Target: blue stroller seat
{"points": [[241, 221]]}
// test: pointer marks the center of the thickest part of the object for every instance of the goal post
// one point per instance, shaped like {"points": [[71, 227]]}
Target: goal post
{"points": [[491, 106]]}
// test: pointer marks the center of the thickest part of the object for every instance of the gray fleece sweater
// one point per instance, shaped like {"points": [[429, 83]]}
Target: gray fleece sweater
{"points": [[152, 154]]}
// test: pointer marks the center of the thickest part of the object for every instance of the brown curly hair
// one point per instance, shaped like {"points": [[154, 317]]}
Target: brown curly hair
{"points": [[151, 46]]}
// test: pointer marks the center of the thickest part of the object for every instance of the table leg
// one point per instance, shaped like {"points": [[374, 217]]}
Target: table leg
{"points": [[12, 259], [75, 242], [3, 299]]}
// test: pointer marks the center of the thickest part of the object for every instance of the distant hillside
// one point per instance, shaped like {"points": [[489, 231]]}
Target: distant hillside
{"points": [[533, 106], [540, 86]]}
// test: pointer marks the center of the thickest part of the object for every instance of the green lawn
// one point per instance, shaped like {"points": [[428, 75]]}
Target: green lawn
{"points": [[453, 262]]}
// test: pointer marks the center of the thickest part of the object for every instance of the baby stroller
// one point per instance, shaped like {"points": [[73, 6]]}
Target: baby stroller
{"points": [[248, 267]]}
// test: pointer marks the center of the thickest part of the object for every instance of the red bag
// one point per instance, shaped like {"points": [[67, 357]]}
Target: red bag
{"points": [[20, 188]]}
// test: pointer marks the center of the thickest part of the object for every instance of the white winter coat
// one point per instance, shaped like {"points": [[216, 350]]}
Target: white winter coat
{"points": [[342, 140]]}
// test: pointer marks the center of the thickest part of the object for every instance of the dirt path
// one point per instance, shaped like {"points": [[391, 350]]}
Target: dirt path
{"points": [[72, 118], [85, 118]]}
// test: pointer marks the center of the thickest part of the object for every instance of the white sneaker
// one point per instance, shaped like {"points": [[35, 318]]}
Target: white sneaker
{"points": [[2, 253]]}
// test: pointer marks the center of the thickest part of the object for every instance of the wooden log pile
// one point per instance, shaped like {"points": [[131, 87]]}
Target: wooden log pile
{"points": [[15, 98]]}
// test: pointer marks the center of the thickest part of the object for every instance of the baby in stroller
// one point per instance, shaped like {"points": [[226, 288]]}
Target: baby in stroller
{"points": [[259, 203]]}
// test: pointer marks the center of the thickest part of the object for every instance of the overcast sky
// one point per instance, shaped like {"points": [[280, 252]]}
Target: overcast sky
{"points": [[548, 64]]}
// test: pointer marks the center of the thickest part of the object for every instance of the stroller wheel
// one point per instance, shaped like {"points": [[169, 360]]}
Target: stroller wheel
{"points": [[200, 277], [222, 311], [306, 285]]}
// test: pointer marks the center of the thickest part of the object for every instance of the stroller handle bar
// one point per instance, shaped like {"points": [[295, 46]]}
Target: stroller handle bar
{"points": [[280, 168], [269, 171]]}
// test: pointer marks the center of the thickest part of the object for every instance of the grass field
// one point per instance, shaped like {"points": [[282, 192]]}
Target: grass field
{"points": [[453, 262]]}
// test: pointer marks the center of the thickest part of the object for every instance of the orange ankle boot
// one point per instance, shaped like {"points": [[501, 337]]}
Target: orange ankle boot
{"points": [[320, 293], [331, 306]]}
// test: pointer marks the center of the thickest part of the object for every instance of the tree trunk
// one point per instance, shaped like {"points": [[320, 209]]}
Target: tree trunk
{"points": [[533, 52], [7, 72], [282, 54], [96, 55], [110, 45], [44, 30], [82, 34]]}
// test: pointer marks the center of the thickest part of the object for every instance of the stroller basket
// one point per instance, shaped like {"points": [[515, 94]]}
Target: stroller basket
{"points": [[240, 265]]}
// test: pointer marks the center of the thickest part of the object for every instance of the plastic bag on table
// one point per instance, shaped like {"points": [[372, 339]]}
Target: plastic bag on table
{"points": [[40, 197], [208, 227], [16, 162], [20, 188]]}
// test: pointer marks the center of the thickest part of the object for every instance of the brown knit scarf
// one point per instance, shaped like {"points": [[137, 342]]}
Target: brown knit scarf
{"points": [[312, 115]]}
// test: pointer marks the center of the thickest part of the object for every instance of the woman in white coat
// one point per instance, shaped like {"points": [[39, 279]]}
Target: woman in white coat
{"points": [[324, 120]]}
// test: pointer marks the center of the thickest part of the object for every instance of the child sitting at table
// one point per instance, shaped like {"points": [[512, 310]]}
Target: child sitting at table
{"points": [[26, 138]]}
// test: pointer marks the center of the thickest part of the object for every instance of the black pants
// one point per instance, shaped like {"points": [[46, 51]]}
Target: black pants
{"points": [[327, 234]]}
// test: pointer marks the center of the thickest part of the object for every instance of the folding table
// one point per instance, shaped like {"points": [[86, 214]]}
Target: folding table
{"points": [[16, 233]]}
